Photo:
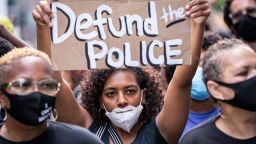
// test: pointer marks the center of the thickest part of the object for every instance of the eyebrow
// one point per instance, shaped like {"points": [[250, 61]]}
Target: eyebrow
{"points": [[130, 86], [126, 87]]}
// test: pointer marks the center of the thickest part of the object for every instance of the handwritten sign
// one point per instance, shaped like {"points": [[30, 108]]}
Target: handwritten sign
{"points": [[119, 33]]}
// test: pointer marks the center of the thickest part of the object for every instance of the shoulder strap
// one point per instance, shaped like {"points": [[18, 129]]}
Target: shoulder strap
{"points": [[116, 139], [102, 129]]}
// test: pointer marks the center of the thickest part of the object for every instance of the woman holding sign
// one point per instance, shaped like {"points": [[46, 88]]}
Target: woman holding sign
{"points": [[119, 94]]}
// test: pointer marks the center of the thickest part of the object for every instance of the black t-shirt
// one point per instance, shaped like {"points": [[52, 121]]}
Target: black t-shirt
{"points": [[208, 133], [61, 133], [148, 134]]}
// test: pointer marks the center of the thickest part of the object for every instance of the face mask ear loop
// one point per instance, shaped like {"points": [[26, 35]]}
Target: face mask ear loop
{"points": [[141, 95], [105, 108]]}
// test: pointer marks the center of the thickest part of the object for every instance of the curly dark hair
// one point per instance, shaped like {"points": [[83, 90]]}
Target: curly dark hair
{"points": [[92, 86], [226, 13]]}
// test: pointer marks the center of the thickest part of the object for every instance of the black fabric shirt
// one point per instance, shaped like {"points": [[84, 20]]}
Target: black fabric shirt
{"points": [[61, 133], [208, 133], [148, 134]]}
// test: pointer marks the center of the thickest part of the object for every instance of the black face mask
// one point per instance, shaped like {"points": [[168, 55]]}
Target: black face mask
{"points": [[246, 28], [245, 94], [32, 109]]}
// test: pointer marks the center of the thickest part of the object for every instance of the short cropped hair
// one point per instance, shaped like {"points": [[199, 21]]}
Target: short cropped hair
{"points": [[213, 61], [7, 59]]}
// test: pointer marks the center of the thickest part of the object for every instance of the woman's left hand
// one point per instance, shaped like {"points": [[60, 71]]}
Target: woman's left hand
{"points": [[198, 11]]}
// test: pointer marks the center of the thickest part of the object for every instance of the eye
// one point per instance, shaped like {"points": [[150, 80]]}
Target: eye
{"points": [[21, 83], [130, 91], [49, 84], [111, 94], [251, 10], [237, 15], [243, 73]]}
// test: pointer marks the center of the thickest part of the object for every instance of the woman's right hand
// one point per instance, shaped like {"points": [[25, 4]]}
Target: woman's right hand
{"points": [[42, 13], [198, 10]]}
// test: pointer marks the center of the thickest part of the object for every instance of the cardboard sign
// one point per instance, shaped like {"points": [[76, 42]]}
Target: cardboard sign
{"points": [[89, 34]]}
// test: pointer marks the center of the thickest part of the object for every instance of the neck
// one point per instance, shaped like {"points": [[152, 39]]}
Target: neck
{"points": [[237, 122], [126, 137], [18, 132], [201, 106]]}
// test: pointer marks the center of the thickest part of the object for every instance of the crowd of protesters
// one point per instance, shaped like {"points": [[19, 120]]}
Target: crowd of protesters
{"points": [[211, 101]]}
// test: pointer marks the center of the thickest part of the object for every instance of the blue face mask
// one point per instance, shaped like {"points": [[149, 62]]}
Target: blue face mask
{"points": [[198, 89]]}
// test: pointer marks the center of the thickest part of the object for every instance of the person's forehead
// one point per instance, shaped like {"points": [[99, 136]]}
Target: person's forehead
{"points": [[238, 5], [121, 78], [29, 66], [237, 57], [118, 75], [31, 62]]}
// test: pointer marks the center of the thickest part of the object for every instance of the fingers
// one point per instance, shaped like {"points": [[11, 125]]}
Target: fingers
{"points": [[195, 2], [201, 13], [42, 13], [198, 8], [46, 7], [37, 18], [46, 18]]}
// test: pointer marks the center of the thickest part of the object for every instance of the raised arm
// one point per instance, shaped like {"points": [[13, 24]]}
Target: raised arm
{"points": [[172, 119], [14, 40], [68, 109]]}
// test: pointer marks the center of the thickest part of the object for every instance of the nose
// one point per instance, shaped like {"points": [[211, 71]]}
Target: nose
{"points": [[244, 12], [121, 100], [35, 87]]}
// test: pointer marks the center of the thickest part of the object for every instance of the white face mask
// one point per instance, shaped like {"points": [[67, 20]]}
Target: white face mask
{"points": [[125, 118]]}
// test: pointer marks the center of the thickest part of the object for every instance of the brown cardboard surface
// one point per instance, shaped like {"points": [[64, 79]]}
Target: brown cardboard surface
{"points": [[75, 52]]}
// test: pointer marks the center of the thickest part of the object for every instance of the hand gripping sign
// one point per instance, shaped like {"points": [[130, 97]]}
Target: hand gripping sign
{"points": [[89, 34]]}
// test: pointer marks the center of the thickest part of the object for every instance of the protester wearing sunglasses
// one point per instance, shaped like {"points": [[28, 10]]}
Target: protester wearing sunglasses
{"points": [[240, 16], [28, 93]]}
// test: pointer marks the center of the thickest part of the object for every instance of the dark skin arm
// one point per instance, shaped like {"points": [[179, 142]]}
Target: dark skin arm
{"points": [[172, 119], [15, 41], [68, 109]]}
